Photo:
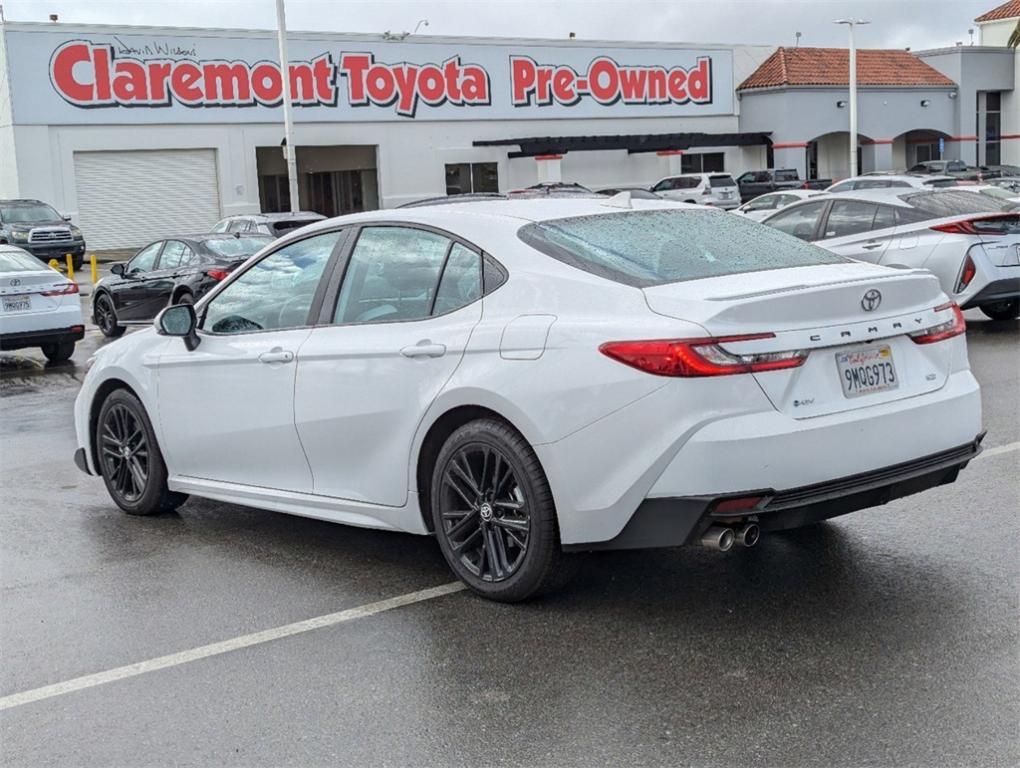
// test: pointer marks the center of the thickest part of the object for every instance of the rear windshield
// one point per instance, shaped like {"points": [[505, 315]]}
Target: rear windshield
{"points": [[722, 180], [286, 225], [939, 203], [19, 261], [237, 247], [645, 248]]}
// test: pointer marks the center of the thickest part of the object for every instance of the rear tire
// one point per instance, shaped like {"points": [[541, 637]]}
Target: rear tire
{"points": [[185, 297], [105, 317], [494, 515], [129, 458], [1008, 309], [58, 352]]}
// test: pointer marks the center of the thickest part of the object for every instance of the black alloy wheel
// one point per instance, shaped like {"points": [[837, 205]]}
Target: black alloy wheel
{"points": [[124, 451], [106, 318], [493, 513], [129, 458], [486, 518]]}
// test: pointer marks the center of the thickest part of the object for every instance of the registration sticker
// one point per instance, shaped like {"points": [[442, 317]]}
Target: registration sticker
{"points": [[866, 370]]}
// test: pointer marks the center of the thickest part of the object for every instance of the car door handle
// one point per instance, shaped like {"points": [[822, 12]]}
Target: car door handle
{"points": [[424, 348], [871, 245], [277, 355]]}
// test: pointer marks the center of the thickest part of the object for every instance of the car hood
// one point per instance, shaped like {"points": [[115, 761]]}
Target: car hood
{"points": [[33, 224]]}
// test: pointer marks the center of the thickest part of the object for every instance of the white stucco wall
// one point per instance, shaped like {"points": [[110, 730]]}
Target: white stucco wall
{"points": [[8, 160], [997, 33]]}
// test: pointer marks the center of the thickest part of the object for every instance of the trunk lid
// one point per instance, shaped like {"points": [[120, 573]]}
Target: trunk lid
{"points": [[821, 309]]}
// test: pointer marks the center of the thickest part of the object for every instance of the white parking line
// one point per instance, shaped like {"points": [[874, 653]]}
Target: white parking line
{"points": [[989, 452], [225, 646]]}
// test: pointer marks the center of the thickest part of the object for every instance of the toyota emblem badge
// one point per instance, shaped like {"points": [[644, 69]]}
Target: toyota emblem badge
{"points": [[871, 300]]}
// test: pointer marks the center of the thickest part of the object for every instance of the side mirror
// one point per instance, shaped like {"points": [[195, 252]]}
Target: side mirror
{"points": [[66, 218], [117, 269], [179, 320]]}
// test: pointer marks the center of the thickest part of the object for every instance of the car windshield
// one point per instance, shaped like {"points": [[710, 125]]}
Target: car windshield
{"points": [[19, 261], [27, 213], [646, 248], [237, 247], [939, 203]]}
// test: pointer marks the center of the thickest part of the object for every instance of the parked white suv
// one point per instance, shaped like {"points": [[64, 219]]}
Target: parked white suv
{"points": [[718, 189]]}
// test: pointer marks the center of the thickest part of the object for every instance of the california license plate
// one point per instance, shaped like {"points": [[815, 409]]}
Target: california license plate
{"points": [[866, 371], [17, 303]]}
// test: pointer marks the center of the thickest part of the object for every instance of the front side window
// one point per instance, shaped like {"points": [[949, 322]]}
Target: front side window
{"points": [[849, 217], [799, 221], [392, 275], [221, 225], [646, 248], [144, 260], [238, 225], [763, 203], [843, 186], [275, 293]]}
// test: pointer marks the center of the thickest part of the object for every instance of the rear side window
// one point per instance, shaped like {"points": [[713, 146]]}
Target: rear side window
{"points": [[279, 227], [787, 175], [872, 184], [461, 283], [722, 180], [843, 186], [849, 217], [764, 203], [238, 225], [645, 248], [937, 204]]}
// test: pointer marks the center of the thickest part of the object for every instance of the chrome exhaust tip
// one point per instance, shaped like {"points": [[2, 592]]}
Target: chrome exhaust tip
{"points": [[718, 538], [748, 535]]}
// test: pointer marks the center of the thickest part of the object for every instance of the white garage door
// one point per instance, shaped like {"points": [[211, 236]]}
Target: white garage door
{"points": [[126, 199]]}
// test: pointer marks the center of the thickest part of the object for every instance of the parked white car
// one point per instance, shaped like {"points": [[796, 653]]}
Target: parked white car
{"points": [[525, 378], [718, 189], [971, 242], [995, 191], [767, 204], [890, 180], [39, 307]]}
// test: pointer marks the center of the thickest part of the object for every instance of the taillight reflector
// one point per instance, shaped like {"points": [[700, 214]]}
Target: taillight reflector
{"points": [[736, 504], [966, 274], [946, 330], [65, 290], [217, 274], [690, 358]]}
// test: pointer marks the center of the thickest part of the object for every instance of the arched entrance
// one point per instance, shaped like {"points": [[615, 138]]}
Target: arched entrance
{"points": [[917, 146], [828, 156]]}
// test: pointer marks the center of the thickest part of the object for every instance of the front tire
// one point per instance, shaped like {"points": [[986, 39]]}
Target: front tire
{"points": [[494, 515], [1008, 309], [130, 460], [106, 317]]}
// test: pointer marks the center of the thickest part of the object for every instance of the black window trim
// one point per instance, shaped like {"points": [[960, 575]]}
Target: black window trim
{"points": [[331, 297]]}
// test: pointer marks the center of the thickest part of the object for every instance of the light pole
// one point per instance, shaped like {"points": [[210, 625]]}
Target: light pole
{"points": [[289, 150], [851, 23]]}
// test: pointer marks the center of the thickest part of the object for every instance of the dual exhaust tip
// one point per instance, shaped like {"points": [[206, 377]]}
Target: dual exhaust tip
{"points": [[722, 538]]}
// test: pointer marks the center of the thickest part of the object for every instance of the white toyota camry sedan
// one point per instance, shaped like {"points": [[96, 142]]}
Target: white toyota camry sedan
{"points": [[528, 378]]}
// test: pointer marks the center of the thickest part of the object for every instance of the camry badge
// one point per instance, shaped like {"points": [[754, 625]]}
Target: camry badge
{"points": [[871, 300]]}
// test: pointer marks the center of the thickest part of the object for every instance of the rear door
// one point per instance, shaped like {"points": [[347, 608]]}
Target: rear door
{"points": [[858, 229], [406, 307]]}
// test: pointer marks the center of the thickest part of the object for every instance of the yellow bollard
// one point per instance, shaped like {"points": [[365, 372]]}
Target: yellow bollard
{"points": [[95, 269], [55, 264], [70, 266]]}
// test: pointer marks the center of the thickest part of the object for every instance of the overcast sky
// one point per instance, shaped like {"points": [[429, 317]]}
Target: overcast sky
{"points": [[894, 23]]}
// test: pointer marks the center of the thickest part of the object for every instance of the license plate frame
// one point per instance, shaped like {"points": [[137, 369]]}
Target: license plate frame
{"points": [[19, 302], [866, 371]]}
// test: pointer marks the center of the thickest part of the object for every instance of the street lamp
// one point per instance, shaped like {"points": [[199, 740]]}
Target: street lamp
{"points": [[289, 150], [851, 23]]}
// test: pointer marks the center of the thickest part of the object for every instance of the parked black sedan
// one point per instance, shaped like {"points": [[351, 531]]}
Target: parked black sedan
{"points": [[172, 271]]}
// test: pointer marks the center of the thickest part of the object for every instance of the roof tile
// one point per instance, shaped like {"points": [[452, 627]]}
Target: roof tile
{"points": [[831, 66], [1010, 10]]}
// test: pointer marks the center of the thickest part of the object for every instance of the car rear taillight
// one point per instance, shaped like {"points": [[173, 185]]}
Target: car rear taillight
{"points": [[65, 290], [706, 192], [997, 224], [691, 358], [217, 274], [966, 274], [945, 330]]}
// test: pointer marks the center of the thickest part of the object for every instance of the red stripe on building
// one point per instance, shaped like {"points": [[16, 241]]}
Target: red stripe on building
{"points": [[961, 138], [791, 145], [668, 152], [548, 157]]}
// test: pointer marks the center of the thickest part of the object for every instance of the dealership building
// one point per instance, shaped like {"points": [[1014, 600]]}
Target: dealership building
{"points": [[139, 133]]}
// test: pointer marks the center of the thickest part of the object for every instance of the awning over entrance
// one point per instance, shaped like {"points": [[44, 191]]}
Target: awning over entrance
{"points": [[633, 143]]}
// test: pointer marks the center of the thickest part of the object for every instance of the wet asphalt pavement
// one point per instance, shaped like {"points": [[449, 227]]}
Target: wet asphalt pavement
{"points": [[887, 637]]}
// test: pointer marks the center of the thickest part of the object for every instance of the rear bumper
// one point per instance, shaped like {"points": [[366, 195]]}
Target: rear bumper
{"points": [[671, 522], [25, 339], [997, 290]]}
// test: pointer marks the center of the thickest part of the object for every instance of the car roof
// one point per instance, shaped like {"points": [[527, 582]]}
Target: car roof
{"points": [[22, 201], [278, 216]]}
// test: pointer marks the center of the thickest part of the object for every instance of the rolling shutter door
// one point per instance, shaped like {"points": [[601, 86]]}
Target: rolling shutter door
{"points": [[126, 199]]}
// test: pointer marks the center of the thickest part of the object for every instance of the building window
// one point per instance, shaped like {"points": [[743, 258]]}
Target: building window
{"points": [[993, 128], [710, 162], [462, 178]]}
